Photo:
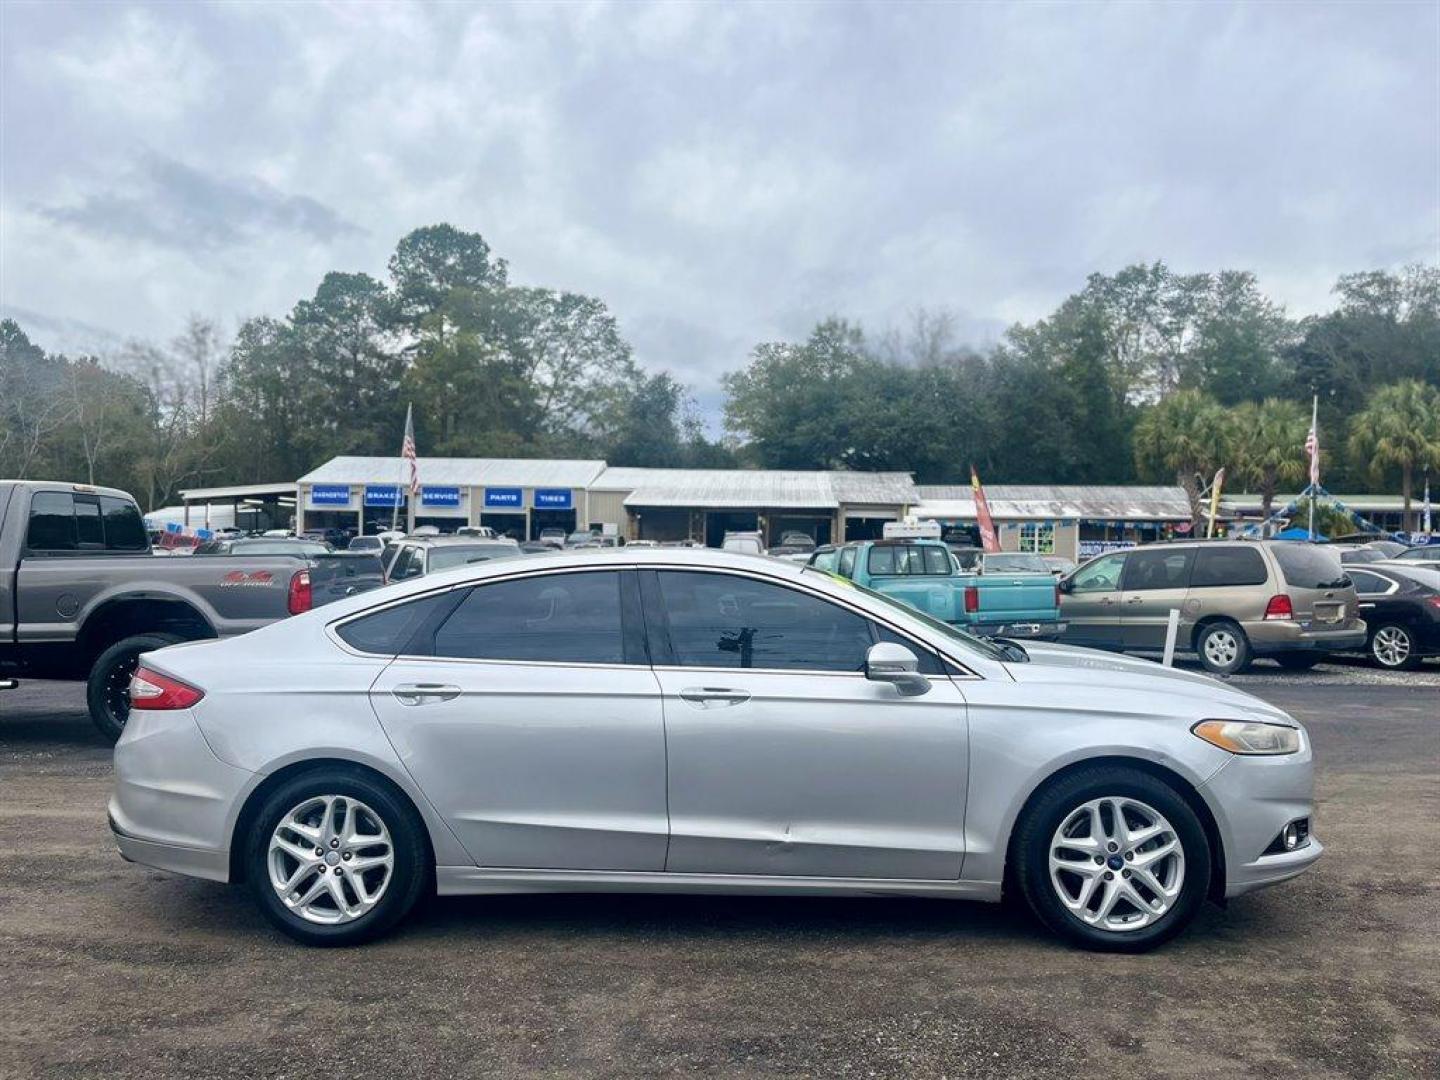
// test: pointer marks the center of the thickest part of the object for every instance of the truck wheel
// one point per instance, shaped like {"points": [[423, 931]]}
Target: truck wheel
{"points": [[107, 691], [1223, 648]]}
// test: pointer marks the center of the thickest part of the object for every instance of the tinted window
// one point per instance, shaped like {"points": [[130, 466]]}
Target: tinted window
{"points": [[1161, 568], [1309, 567], [847, 562], [387, 632], [89, 533], [52, 522], [1228, 566], [1366, 582], [1102, 575], [908, 559], [570, 618], [720, 620], [124, 527]]}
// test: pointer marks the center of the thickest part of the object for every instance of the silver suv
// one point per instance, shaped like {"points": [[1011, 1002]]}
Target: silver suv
{"points": [[1237, 600]]}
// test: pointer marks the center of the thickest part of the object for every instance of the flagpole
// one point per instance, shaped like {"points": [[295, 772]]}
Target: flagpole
{"points": [[1314, 418], [400, 476]]}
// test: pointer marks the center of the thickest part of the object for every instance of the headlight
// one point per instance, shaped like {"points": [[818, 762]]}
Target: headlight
{"points": [[1249, 736]]}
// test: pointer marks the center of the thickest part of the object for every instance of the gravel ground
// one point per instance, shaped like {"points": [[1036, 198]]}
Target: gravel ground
{"points": [[111, 970]]}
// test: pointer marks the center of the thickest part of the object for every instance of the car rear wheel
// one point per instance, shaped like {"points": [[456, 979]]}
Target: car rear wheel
{"points": [[336, 857], [1113, 859], [107, 691], [1392, 647], [1223, 648]]}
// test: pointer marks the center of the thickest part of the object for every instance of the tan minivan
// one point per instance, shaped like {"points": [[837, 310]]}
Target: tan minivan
{"points": [[1237, 599]]}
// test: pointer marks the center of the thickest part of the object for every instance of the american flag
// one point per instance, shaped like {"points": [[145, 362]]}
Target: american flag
{"points": [[1312, 447], [407, 451]]}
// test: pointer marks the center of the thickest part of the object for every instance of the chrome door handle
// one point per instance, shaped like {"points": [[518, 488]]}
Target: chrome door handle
{"points": [[1106, 601], [424, 693], [714, 697]]}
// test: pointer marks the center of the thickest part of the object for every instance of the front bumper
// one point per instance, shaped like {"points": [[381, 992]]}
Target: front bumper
{"points": [[174, 799], [1253, 799], [1285, 635]]}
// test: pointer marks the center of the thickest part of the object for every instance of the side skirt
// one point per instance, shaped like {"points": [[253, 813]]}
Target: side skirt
{"points": [[478, 881]]}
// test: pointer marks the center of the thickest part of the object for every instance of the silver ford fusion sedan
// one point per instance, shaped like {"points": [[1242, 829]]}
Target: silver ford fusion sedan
{"points": [[660, 719]]}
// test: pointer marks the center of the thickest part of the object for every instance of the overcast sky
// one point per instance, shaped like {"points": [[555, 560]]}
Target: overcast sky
{"points": [[719, 174]]}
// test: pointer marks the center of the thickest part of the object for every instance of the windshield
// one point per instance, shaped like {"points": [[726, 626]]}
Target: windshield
{"points": [[1016, 564], [443, 558], [985, 648]]}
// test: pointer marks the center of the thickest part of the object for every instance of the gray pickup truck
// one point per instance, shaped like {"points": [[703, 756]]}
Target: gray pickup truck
{"points": [[82, 596]]}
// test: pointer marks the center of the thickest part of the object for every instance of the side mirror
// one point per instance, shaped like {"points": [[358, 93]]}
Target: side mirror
{"points": [[1065, 585], [893, 663]]}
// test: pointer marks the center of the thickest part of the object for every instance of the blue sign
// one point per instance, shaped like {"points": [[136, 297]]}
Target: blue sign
{"points": [[554, 499], [386, 495], [440, 496], [503, 498], [330, 495]]}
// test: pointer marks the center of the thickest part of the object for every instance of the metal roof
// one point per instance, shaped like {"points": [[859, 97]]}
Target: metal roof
{"points": [[756, 489], [1377, 503], [236, 491], [1056, 502], [461, 472]]}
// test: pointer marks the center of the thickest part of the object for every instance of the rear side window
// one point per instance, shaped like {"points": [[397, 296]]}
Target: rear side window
{"points": [[559, 618], [387, 632], [124, 528], [1308, 567], [1366, 582], [52, 522], [1228, 566]]}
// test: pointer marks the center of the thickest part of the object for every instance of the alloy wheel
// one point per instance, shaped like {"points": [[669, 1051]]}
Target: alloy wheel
{"points": [[1116, 864], [1221, 648], [331, 859], [1391, 646]]}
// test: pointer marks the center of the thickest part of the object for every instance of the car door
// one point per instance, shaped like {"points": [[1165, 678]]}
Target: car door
{"points": [[1090, 603], [531, 719], [1155, 582], [783, 758], [1373, 591]]}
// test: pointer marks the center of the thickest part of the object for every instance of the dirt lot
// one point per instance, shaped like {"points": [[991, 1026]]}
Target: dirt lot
{"points": [[111, 970]]}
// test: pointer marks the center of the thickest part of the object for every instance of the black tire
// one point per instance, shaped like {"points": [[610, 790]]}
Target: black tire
{"points": [[1030, 854], [107, 690], [410, 876], [1395, 637], [1300, 661], [1208, 643]]}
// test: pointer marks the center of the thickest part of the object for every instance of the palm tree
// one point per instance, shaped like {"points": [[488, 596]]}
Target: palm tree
{"points": [[1267, 447], [1400, 428], [1182, 436]]}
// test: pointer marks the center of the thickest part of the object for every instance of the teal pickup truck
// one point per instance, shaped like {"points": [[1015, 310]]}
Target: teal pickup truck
{"points": [[924, 575]]}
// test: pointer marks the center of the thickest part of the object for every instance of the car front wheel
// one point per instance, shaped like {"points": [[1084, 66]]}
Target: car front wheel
{"points": [[1392, 647], [336, 857], [1113, 859]]}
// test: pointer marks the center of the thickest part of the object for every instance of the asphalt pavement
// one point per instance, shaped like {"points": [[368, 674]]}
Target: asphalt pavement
{"points": [[111, 970]]}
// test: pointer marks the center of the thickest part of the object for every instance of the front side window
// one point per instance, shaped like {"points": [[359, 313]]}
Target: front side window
{"points": [[407, 564], [847, 562], [559, 618], [725, 621], [823, 560], [1102, 575], [1158, 568]]}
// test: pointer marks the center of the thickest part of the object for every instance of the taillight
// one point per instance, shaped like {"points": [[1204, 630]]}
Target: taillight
{"points": [[972, 599], [1433, 601], [300, 597], [151, 690], [1279, 607]]}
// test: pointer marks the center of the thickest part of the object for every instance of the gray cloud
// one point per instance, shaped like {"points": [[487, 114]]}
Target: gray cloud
{"points": [[166, 202], [719, 174]]}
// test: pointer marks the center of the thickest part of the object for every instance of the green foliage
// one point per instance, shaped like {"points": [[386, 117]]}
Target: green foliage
{"points": [[1398, 432]]}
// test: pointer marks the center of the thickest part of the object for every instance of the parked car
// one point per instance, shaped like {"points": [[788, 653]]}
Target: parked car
{"points": [[535, 547], [81, 596], [553, 537], [418, 556], [743, 543], [1284, 599], [1425, 555], [1357, 555], [370, 544], [794, 538], [335, 537], [582, 539], [967, 555], [289, 545], [483, 531], [1012, 562], [681, 720], [1400, 602], [925, 575]]}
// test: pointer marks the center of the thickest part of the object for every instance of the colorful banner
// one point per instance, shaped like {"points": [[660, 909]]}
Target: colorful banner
{"points": [[988, 540]]}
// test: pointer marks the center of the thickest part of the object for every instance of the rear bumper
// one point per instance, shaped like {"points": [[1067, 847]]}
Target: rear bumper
{"points": [[192, 862], [1282, 635], [1017, 628]]}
